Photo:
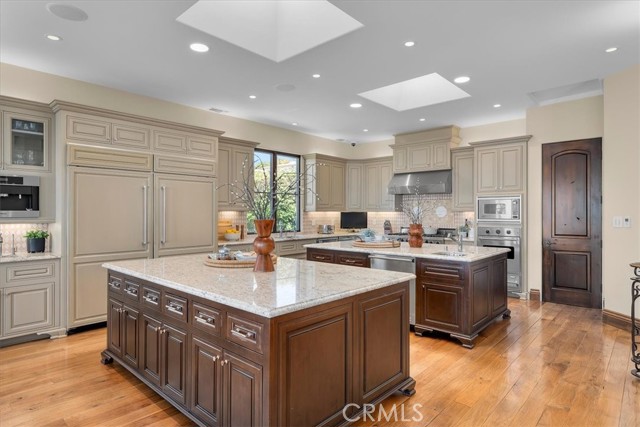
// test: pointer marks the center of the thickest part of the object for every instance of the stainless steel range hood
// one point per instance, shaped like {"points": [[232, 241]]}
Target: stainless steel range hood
{"points": [[436, 182]]}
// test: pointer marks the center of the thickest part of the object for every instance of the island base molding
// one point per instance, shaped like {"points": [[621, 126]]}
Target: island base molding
{"points": [[535, 295], [222, 366]]}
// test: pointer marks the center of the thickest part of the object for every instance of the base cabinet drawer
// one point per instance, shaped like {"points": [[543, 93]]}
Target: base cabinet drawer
{"points": [[27, 308]]}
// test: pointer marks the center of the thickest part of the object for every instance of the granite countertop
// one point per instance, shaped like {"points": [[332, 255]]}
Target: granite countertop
{"points": [[473, 253], [276, 237], [294, 285], [24, 256]]}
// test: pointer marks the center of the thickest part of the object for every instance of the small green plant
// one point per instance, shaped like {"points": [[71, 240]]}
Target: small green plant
{"points": [[36, 234]]}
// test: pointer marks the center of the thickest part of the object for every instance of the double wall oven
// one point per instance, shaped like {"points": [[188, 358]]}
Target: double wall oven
{"points": [[500, 226]]}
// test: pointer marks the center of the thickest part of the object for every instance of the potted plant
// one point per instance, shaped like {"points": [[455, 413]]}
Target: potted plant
{"points": [[35, 240], [415, 206]]}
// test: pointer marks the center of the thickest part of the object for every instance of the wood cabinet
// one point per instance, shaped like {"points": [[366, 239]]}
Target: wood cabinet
{"points": [[357, 259], [325, 183], [367, 183], [460, 298], [27, 148], [235, 159], [426, 150], [225, 367], [462, 163], [30, 299], [500, 166]]}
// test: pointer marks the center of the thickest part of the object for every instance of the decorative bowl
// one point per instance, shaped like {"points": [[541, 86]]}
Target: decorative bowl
{"points": [[232, 236]]}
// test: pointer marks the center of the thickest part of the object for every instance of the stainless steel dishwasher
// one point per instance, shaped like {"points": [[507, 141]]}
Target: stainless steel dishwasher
{"points": [[403, 264]]}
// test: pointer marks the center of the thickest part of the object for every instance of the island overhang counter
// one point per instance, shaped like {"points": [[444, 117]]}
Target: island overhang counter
{"points": [[308, 344]]}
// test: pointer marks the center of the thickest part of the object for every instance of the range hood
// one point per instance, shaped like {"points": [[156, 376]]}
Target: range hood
{"points": [[436, 182]]}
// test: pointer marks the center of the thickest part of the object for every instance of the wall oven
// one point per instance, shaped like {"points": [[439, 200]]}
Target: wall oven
{"points": [[499, 209], [507, 237], [19, 196]]}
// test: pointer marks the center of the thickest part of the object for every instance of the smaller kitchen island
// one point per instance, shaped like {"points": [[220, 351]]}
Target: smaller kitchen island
{"points": [[457, 292], [306, 345]]}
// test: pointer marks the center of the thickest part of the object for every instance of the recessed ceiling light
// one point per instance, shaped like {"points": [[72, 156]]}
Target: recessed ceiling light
{"points": [[316, 76], [461, 79], [611, 49], [355, 105], [199, 47], [295, 123], [409, 44], [252, 96], [365, 130], [422, 119], [65, 11], [53, 37], [497, 105]]}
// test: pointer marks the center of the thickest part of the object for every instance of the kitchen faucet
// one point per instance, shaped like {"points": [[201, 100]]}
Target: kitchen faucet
{"points": [[458, 241]]}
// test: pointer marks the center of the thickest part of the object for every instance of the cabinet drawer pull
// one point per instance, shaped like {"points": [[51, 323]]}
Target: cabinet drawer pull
{"points": [[114, 285], [201, 318], [132, 292], [174, 308], [151, 300], [350, 261], [320, 257], [243, 333]]}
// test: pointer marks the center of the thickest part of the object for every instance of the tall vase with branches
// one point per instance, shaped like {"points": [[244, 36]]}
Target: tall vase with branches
{"points": [[415, 206], [262, 194]]}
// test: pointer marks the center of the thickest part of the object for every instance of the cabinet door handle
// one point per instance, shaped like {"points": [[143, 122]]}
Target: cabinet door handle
{"points": [[174, 308], [209, 321], [163, 240], [243, 333], [151, 300], [224, 362], [145, 237], [114, 285], [156, 329], [131, 292], [350, 261]]}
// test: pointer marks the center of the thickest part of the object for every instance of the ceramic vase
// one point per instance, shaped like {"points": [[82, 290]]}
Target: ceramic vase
{"points": [[35, 245], [415, 235], [263, 245]]}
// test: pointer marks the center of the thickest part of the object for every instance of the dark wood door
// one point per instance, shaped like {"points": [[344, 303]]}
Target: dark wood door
{"points": [[206, 381], [571, 222], [150, 348], [174, 363], [242, 392], [130, 334]]}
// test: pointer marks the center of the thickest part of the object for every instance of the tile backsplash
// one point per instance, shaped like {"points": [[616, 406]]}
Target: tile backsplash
{"points": [[18, 231], [311, 220]]}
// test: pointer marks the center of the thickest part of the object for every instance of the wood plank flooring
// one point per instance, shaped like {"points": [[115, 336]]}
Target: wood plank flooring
{"points": [[549, 365]]}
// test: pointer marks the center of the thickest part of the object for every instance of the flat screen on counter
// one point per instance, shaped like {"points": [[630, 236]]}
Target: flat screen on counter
{"points": [[353, 220]]}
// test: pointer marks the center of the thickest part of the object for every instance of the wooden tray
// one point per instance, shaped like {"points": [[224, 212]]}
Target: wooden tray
{"points": [[387, 244], [234, 263]]}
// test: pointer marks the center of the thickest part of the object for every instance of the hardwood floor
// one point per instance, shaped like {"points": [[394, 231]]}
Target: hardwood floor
{"points": [[549, 365]]}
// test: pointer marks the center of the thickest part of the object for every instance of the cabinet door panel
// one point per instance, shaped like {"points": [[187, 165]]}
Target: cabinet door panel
{"points": [[420, 157], [355, 182], [242, 162], [441, 306], [26, 150], [511, 169], [372, 196], [130, 135], [387, 201], [487, 170], [337, 187], [440, 155], [167, 141], [202, 146], [463, 167], [87, 293], [108, 212], [206, 381], [27, 308], [114, 331], [322, 186], [174, 364], [400, 163], [184, 214], [243, 392], [150, 347], [223, 191], [130, 335], [88, 129]]}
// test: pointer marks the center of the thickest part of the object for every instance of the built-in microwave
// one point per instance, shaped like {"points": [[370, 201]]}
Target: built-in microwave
{"points": [[499, 208], [19, 196]]}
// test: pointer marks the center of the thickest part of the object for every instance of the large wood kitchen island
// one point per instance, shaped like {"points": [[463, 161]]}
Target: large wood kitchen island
{"points": [[306, 345]]}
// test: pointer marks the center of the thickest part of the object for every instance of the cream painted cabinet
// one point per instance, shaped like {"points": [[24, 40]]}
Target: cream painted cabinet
{"points": [[462, 162], [377, 175], [235, 158], [184, 214], [355, 187], [500, 168], [30, 298], [425, 150], [100, 130], [325, 183], [27, 148]]}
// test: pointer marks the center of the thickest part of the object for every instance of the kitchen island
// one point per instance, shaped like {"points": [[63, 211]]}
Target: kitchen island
{"points": [[308, 344], [457, 292]]}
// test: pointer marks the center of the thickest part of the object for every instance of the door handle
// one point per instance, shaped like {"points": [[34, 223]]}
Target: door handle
{"points": [[145, 237], [164, 215]]}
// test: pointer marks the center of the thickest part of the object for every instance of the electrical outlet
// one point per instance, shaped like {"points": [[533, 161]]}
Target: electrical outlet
{"points": [[617, 222]]}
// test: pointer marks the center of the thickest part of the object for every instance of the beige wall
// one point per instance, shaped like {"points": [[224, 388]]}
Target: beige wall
{"points": [[36, 86], [621, 185], [493, 131]]}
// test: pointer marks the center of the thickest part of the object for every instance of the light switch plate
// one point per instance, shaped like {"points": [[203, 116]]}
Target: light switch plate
{"points": [[617, 222], [626, 222]]}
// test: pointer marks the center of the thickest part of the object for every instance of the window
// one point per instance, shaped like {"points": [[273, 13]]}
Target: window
{"points": [[282, 169]]}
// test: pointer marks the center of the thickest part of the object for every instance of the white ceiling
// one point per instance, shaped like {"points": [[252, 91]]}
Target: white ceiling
{"points": [[509, 49]]}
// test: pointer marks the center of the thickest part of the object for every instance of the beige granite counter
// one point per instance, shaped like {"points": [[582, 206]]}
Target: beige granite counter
{"points": [[294, 285], [24, 256], [276, 237], [472, 253]]}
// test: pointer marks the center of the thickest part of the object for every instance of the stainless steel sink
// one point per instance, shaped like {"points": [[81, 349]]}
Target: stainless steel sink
{"points": [[450, 253]]}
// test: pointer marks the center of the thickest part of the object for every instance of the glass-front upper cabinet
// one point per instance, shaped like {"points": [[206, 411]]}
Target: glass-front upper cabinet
{"points": [[25, 142]]}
